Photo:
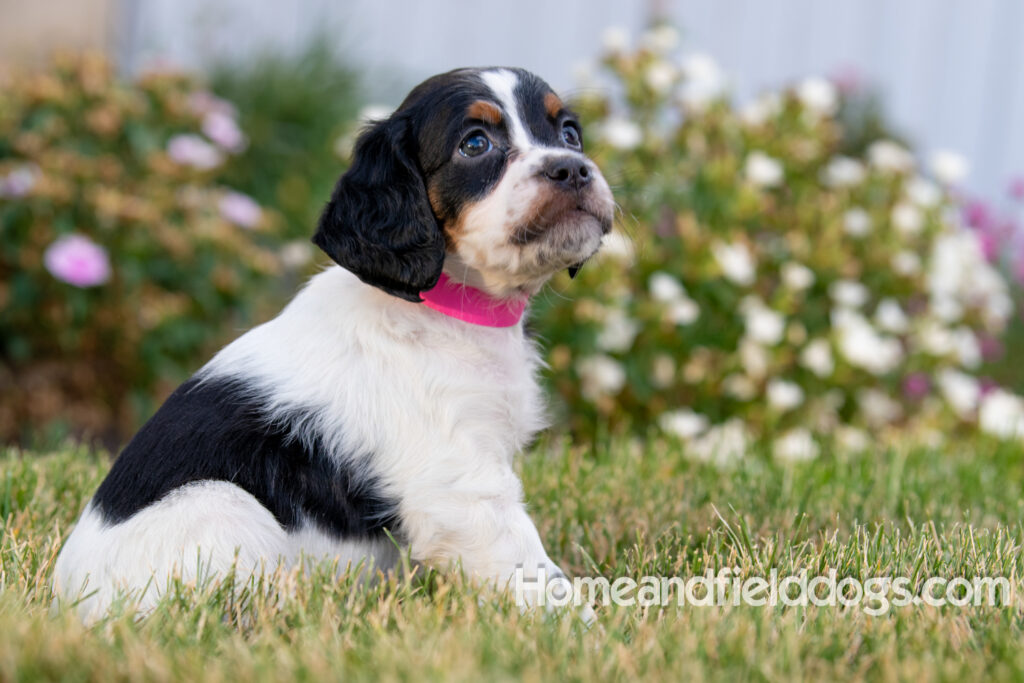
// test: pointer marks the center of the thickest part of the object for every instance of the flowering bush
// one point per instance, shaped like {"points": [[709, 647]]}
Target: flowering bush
{"points": [[772, 285], [121, 256]]}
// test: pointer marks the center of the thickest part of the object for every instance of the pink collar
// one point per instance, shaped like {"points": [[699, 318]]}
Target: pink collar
{"points": [[472, 305]]}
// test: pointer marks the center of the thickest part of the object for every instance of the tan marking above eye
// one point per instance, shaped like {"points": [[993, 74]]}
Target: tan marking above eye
{"points": [[553, 105], [485, 111]]}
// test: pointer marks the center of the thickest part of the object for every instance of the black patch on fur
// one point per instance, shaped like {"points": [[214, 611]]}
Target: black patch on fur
{"points": [[217, 429], [379, 224]]}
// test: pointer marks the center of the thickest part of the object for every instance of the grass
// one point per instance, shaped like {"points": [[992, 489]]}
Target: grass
{"points": [[626, 508]]}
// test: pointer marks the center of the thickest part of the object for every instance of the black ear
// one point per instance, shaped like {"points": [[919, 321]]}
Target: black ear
{"points": [[379, 224]]}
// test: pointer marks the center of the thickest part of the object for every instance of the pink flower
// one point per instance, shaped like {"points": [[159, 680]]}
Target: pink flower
{"points": [[240, 209], [916, 385], [202, 102], [224, 131], [192, 150], [989, 244], [78, 261], [1017, 188]]}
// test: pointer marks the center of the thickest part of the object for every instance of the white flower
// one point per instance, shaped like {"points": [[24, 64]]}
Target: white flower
{"points": [[762, 170], [683, 423], [736, 262], [753, 358], [945, 307], [615, 39], [817, 357], [849, 293], [759, 110], [722, 444], [375, 112], [703, 81], [19, 182], [797, 276], [661, 76], [683, 312], [1002, 415], [600, 375], [923, 192], [906, 263], [796, 445], [739, 386], [862, 346], [843, 172], [663, 38], [665, 287], [584, 74], [663, 370], [763, 325], [960, 390], [818, 95], [907, 218], [949, 167], [968, 351], [959, 272], [886, 155], [783, 395], [618, 332], [935, 339], [877, 407], [856, 222], [618, 246], [890, 317], [296, 254], [622, 133], [852, 440]]}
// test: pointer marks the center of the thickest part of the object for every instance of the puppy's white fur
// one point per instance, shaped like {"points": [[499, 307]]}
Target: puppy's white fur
{"points": [[360, 357]]}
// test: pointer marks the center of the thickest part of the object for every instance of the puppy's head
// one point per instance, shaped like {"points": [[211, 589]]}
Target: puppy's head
{"points": [[481, 173]]}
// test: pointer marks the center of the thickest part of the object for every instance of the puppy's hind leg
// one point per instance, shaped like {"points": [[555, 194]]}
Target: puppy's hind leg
{"points": [[197, 533]]}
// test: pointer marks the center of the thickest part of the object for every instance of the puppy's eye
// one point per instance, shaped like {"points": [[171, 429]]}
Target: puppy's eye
{"points": [[571, 135], [474, 145]]}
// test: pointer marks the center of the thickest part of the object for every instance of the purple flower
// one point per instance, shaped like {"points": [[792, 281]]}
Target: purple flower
{"points": [[1017, 188], [78, 261], [224, 131], [192, 150], [991, 347], [240, 209], [18, 182], [978, 214], [916, 385]]}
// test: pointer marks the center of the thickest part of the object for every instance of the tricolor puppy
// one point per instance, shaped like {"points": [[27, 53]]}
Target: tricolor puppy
{"points": [[393, 392]]}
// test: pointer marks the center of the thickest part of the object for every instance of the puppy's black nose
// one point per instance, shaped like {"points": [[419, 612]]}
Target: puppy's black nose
{"points": [[567, 172]]}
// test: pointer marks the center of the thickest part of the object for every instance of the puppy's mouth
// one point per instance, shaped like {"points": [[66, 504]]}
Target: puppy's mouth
{"points": [[562, 217]]}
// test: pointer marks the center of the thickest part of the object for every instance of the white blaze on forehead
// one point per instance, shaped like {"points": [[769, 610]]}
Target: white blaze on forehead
{"points": [[503, 84]]}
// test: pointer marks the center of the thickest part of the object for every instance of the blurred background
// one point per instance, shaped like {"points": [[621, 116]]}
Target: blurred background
{"points": [[819, 238]]}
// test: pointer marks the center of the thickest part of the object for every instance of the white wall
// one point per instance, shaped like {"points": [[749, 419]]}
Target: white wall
{"points": [[952, 70]]}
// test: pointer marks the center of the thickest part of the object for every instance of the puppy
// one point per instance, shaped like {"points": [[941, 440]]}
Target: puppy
{"points": [[387, 400]]}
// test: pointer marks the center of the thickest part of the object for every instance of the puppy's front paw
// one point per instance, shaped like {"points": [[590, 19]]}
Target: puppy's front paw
{"points": [[549, 588]]}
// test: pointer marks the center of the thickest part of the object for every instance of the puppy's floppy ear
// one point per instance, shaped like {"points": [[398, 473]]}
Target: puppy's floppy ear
{"points": [[379, 224]]}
